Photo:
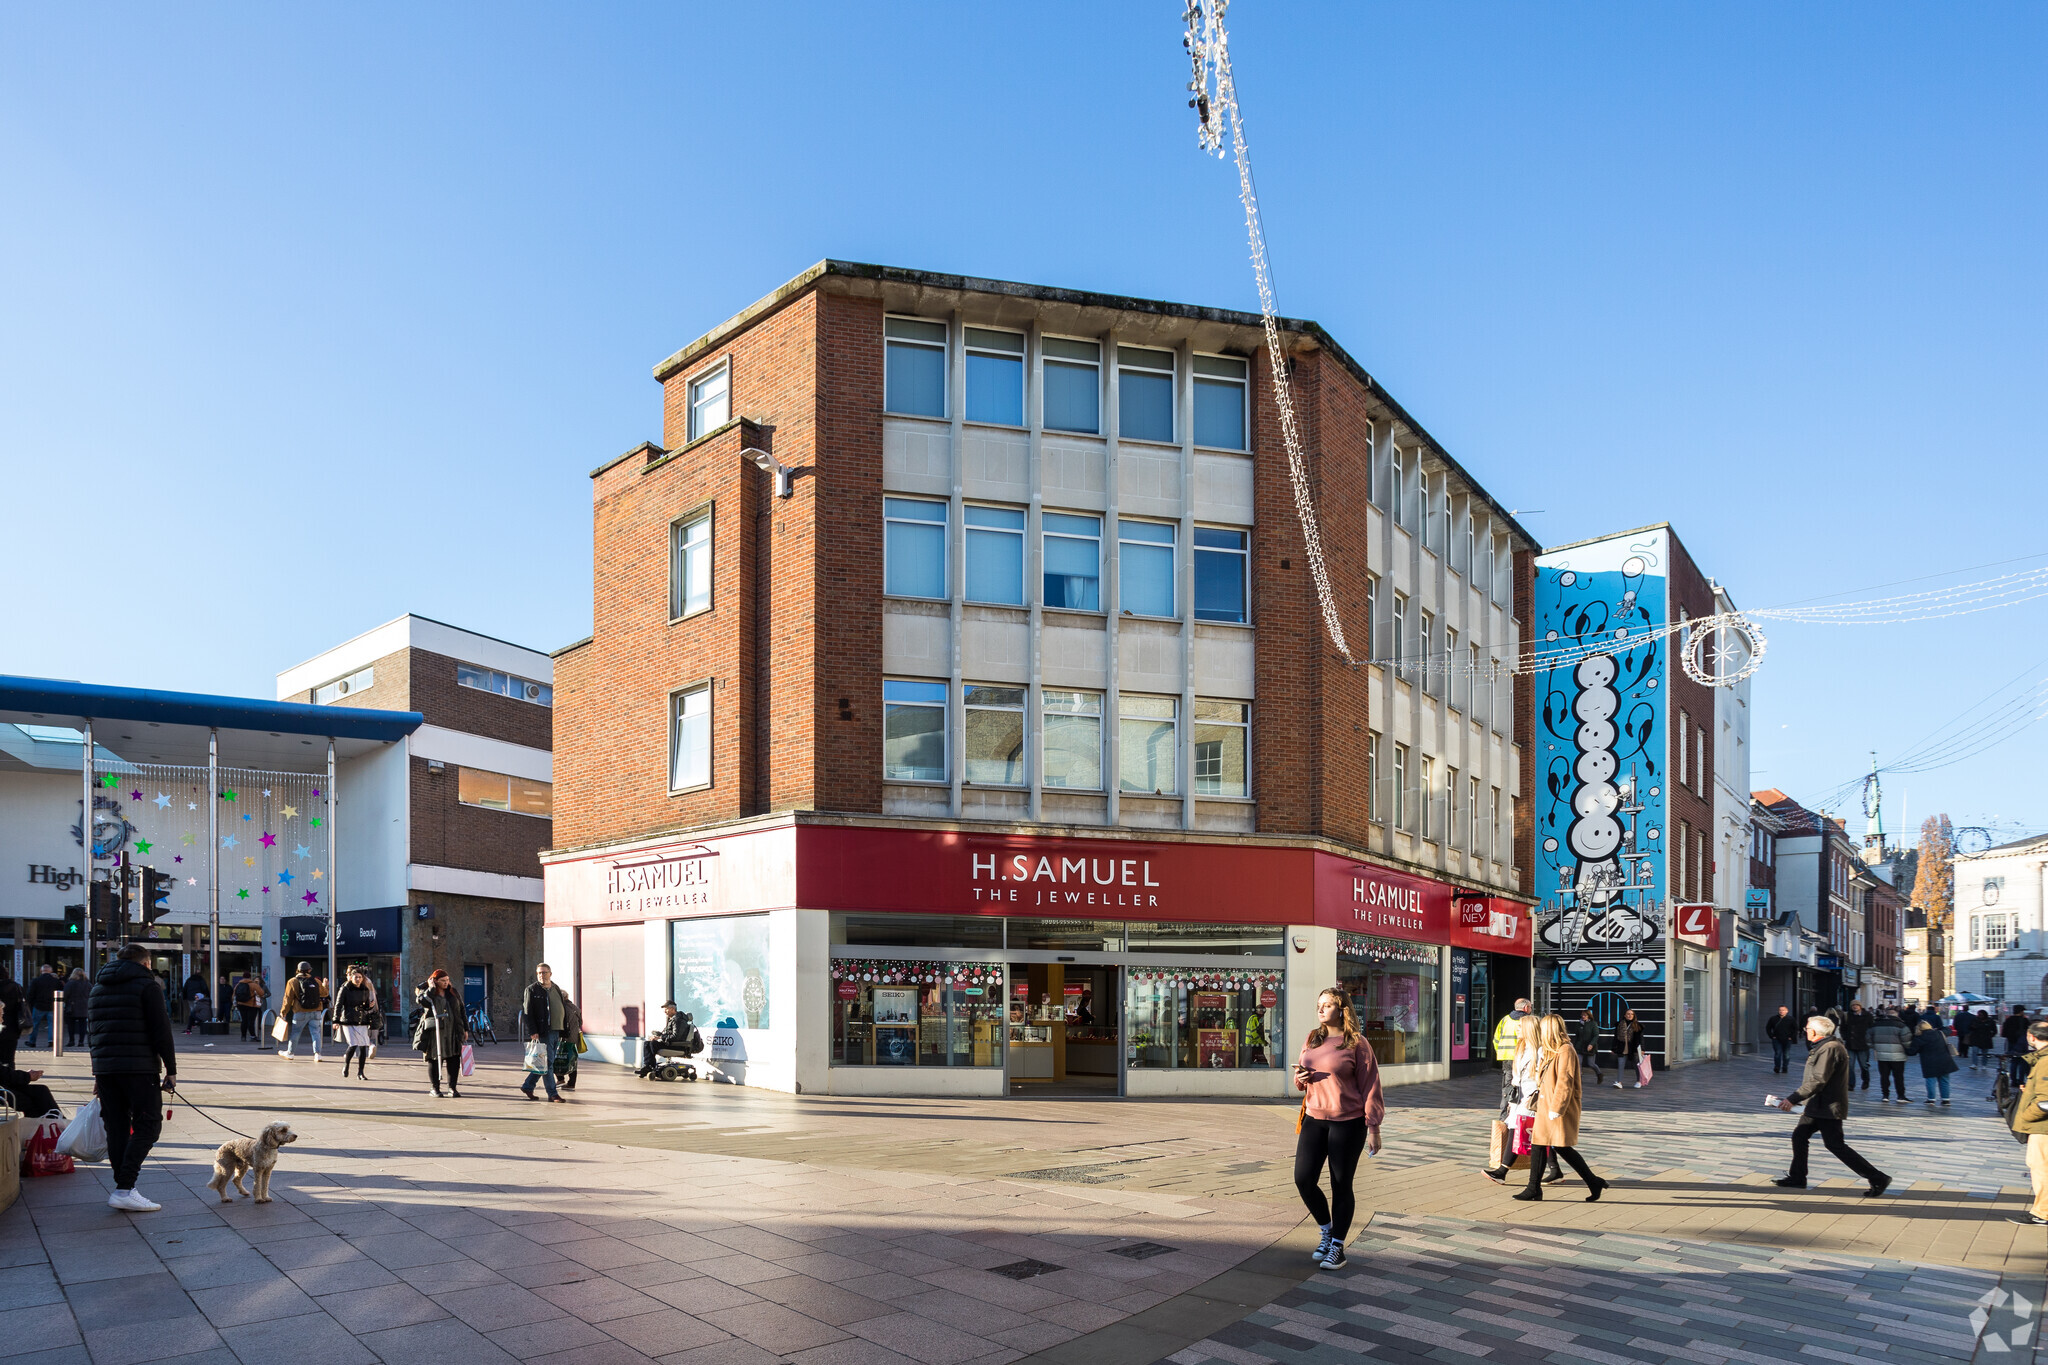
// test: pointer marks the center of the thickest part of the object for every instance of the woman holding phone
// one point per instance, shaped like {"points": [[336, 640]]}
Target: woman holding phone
{"points": [[1341, 1110]]}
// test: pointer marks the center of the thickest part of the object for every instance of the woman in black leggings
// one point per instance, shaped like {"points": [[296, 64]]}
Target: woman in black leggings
{"points": [[1341, 1109]]}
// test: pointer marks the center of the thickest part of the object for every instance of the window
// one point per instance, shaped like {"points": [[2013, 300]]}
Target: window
{"points": [[1678, 848], [1400, 487], [1400, 632], [1148, 743], [995, 555], [1395, 989], [1699, 757], [1684, 745], [1493, 824], [1210, 1020], [1073, 385], [1453, 826], [500, 791], [689, 739], [1976, 932], [710, 402], [995, 377], [1222, 747], [914, 370], [1220, 385], [359, 681], [1472, 813], [1426, 653], [1073, 739], [914, 547], [1455, 685], [1994, 985], [1428, 794], [1144, 391], [689, 565], [1372, 606], [1373, 805], [1476, 684], [913, 731], [1401, 786], [995, 734], [1702, 871], [504, 684], [1073, 561], [1145, 567], [1220, 562], [1994, 933]]}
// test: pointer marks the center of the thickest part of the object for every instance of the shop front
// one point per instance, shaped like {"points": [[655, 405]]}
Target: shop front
{"points": [[856, 958], [373, 939], [1745, 963]]}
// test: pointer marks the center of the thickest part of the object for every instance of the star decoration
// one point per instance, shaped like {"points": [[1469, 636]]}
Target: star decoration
{"points": [[162, 802], [191, 805], [291, 812], [177, 857], [314, 822], [248, 862], [243, 894], [135, 796], [316, 792], [266, 791], [268, 838], [143, 845], [191, 881], [227, 841], [284, 878], [248, 817], [107, 781], [188, 838], [228, 795], [318, 874], [301, 851], [309, 898], [266, 890]]}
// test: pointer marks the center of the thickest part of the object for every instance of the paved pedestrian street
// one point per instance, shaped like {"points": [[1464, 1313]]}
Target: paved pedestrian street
{"points": [[722, 1226]]}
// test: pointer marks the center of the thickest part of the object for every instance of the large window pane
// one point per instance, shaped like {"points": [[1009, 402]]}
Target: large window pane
{"points": [[533, 798], [1205, 1017], [1148, 753], [1067, 935], [1073, 561], [995, 733], [1073, 739], [1395, 992], [995, 555], [710, 402], [914, 370], [1145, 573], [690, 585], [1221, 940], [917, 931], [1220, 561], [476, 787], [1073, 397], [690, 739], [995, 376], [915, 549], [1144, 394], [1222, 733], [913, 731], [1219, 414]]}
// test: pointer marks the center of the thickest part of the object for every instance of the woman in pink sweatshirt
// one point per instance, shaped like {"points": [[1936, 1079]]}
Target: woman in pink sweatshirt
{"points": [[1341, 1109]]}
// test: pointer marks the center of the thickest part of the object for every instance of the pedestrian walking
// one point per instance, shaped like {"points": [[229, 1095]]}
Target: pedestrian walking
{"points": [[1587, 1039], [1341, 1111], [2017, 1052], [1889, 1037], [1937, 1063], [77, 990], [438, 1029], [1505, 1034], [134, 1060], [304, 999], [2030, 1116], [1628, 1049], [42, 1003], [1855, 1027], [569, 1046], [249, 996], [357, 1019], [193, 991], [1983, 1033], [13, 1016], [1781, 1028], [1557, 1102], [545, 1010], [1824, 1087], [1518, 1107]]}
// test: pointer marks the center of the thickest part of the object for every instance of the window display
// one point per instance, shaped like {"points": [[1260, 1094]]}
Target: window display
{"points": [[1214, 1018], [1396, 992], [906, 1013]]}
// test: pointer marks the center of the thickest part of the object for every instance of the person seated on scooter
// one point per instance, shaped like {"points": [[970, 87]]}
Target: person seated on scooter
{"points": [[678, 1036]]}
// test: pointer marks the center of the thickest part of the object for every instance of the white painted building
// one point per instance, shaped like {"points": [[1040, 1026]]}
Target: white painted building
{"points": [[2001, 942]]}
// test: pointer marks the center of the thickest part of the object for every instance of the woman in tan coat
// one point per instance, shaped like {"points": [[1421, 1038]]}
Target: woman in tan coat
{"points": [[1556, 1102]]}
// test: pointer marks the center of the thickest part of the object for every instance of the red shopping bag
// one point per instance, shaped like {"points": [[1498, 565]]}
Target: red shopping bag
{"points": [[1525, 1130], [39, 1155]]}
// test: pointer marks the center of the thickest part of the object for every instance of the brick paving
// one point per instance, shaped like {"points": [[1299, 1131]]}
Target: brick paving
{"points": [[721, 1226]]}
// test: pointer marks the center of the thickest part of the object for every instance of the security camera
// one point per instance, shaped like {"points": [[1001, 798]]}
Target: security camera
{"points": [[784, 476]]}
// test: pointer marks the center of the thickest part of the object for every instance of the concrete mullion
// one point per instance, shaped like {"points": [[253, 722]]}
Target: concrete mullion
{"points": [[1184, 574], [1112, 737], [1034, 570], [956, 554]]}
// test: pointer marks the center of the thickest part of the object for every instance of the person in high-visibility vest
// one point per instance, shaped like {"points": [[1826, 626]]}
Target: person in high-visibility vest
{"points": [[1505, 1033]]}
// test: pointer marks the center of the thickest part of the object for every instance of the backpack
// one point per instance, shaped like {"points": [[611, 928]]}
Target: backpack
{"points": [[693, 1041]]}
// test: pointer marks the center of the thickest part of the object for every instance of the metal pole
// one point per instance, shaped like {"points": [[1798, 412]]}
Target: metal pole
{"points": [[333, 873], [213, 872], [85, 847]]}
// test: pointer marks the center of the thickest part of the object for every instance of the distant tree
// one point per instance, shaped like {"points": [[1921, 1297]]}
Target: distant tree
{"points": [[1934, 890]]}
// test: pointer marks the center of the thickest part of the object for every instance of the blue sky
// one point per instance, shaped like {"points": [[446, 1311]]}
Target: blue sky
{"points": [[313, 316]]}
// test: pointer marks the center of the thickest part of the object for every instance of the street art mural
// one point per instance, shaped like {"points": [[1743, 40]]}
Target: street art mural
{"points": [[1601, 677]]}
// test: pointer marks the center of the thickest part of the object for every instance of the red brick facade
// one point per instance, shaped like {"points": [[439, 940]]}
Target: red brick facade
{"points": [[1690, 808]]}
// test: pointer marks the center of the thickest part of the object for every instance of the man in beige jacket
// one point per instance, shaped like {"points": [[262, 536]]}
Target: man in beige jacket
{"points": [[2031, 1117]]}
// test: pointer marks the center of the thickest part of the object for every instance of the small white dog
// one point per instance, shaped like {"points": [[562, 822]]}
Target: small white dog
{"points": [[247, 1156]]}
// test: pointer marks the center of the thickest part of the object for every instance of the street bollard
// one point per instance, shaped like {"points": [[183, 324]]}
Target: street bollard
{"points": [[57, 1027], [264, 1023]]}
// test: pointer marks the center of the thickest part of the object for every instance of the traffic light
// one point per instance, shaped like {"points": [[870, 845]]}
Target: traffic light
{"points": [[106, 911], [156, 895], [74, 921]]}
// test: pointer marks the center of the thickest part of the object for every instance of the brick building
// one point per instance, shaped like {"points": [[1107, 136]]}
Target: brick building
{"points": [[466, 802], [957, 699]]}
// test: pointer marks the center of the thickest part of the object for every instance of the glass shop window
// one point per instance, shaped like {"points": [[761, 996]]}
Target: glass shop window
{"points": [[1177, 1018]]}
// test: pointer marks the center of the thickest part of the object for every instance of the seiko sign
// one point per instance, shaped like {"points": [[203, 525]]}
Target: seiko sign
{"points": [[675, 883]]}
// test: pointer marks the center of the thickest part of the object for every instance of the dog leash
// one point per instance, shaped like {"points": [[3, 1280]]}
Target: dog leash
{"points": [[200, 1110]]}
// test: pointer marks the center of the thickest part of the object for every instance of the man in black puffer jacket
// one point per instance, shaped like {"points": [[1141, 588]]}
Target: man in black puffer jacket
{"points": [[129, 1031]]}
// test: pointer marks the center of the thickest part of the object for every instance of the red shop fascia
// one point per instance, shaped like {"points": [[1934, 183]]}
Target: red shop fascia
{"points": [[892, 869]]}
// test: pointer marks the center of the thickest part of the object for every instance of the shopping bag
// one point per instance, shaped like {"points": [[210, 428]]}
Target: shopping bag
{"points": [[537, 1056], [1500, 1150], [39, 1155], [1525, 1129], [86, 1136], [468, 1060], [282, 1029], [1643, 1068]]}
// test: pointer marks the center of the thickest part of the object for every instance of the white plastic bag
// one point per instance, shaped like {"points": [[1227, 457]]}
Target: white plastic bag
{"points": [[85, 1138], [537, 1059]]}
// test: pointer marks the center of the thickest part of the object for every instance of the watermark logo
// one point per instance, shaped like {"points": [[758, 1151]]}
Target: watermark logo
{"points": [[2000, 1306]]}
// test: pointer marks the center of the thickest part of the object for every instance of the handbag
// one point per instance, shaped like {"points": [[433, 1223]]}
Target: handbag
{"points": [[281, 1029], [85, 1137], [468, 1060], [1643, 1068], [537, 1056]]}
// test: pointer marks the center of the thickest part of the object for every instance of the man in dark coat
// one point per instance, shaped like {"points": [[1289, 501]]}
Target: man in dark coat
{"points": [[1825, 1089], [2017, 1044], [129, 1031], [13, 1015], [1855, 1034], [1586, 1038], [1779, 1028], [42, 1002]]}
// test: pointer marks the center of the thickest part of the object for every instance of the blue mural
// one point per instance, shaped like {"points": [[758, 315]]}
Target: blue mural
{"points": [[1599, 748]]}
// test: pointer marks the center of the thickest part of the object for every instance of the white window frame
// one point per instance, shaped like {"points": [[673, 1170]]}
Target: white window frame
{"points": [[1243, 723], [464, 769], [1047, 358], [679, 547], [505, 685], [1172, 373], [1244, 571], [361, 680], [969, 530], [1244, 386], [1046, 532], [1021, 711], [1172, 546], [945, 708], [1426, 636], [1022, 355], [678, 702], [1399, 652], [1426, 781], [1174, 720], [1493, 825], [1374, 814], [944, 349], [1401, 787], [945, 525], [1048, 707], [696, 426]]}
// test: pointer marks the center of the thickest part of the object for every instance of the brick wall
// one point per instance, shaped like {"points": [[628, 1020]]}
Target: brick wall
{"points": [[418, 680], [446, 833], [1524, 691], [390, 689], [505, 935], [1690, 593]]}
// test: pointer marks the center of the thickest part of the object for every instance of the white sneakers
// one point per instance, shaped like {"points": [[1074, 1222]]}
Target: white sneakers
{"points": [[132, 1201]]}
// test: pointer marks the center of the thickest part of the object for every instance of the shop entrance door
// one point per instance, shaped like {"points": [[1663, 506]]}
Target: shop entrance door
{"points": [[1065, 1030]]}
